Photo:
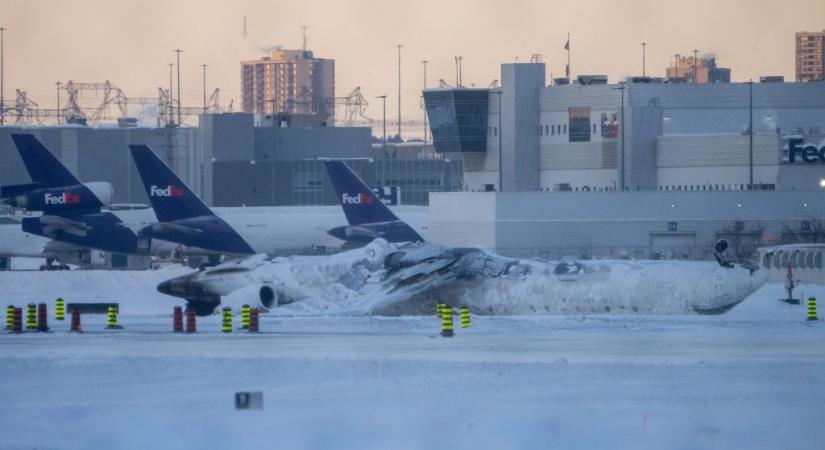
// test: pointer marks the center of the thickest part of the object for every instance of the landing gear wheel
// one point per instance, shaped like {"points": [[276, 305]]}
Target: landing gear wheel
{"points": [[202, 307]]}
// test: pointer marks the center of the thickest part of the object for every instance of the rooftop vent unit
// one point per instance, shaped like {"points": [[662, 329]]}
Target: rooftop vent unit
{"points": [[772, 79], [587, 80], [563, 81]]}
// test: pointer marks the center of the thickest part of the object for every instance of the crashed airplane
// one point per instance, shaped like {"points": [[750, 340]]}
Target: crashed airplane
{"points": [[383, 278], [408, 278]]}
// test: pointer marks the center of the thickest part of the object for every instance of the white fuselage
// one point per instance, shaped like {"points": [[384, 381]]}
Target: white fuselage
{"points": [[285, 229], [14, 242], [271, 230]]}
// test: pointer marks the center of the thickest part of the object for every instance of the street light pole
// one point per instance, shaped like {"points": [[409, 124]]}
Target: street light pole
{"points": [[58, 102], [425, 106], [2, 76], [204, 87], [500, 150], [644, 44], [384, 121], [695, 67], [399, 91], [621, 87], [750, 135], [179, 113]]}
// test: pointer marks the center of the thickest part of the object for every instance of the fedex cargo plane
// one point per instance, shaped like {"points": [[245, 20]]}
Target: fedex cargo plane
{"points": [[72, 211], [184, 218], [368, 217]]}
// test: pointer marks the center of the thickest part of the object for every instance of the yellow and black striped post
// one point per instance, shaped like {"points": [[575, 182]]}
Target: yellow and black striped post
{"points": [[812, 308], [9, 317], [439, 310], [226, 325], [31, 316], [111, 318], [446, 321], [245, 317], [465, 317], [59, 309]]}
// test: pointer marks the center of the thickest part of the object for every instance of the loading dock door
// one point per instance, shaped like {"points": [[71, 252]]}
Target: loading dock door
{"points": [[672, 245]]}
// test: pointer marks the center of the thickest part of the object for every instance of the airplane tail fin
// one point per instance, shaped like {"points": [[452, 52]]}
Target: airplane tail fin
{"points": [[360, 204], [44, 168], [171, 198]]}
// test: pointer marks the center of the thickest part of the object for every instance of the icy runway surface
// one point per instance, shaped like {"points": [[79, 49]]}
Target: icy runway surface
{"points": [[752, 378]]}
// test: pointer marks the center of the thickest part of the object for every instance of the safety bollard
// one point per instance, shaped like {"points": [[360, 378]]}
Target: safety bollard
{"points": [[75, 326], [59, 309], [446, 321], [226, 325], [31, 316], [812, 308], [10, 317], [245, 317], [191, 323], [17, 321], [465, 317], [253, 320], [177, 320], [111, 318], [42, 318]]}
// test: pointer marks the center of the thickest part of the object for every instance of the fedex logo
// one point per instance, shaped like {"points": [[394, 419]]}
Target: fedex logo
{"points": [[168, 191], [66, 198], [357, 199], [809, 153]]}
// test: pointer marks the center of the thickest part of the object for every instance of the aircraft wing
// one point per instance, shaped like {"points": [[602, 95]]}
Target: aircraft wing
{"points": [[53, 224]]}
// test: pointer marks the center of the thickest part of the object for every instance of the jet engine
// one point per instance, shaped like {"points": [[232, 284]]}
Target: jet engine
{"points": [[258, 295]]}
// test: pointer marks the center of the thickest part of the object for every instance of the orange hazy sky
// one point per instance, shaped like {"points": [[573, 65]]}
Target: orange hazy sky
{"points": [[130, 42]]}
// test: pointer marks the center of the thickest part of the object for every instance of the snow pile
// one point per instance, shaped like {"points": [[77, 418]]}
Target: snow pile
{"points": [[134, 290]]}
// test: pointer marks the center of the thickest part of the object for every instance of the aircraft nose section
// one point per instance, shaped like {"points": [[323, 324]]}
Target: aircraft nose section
{"points": [[184, 287]]}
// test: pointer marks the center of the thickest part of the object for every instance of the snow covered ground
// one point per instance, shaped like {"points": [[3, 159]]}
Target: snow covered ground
{"points": [[751, 378]]}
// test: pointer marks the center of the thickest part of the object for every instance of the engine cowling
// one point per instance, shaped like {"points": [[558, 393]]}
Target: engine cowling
{"points": [[258, 295], [87, 196]]}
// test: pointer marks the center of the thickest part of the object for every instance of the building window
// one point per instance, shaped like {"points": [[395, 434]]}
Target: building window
{"points": [[672, 226], [552, 130]]}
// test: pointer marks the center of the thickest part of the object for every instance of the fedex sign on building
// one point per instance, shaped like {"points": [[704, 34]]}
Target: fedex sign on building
{"points": [[806, 152]]}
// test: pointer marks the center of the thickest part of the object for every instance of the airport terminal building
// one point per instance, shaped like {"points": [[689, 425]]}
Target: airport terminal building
{"points": [[237, 159], [643, 168]]}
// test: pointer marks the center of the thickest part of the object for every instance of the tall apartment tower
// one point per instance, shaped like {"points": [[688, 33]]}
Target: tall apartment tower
{"points": [[289, 81], [810, 56]]}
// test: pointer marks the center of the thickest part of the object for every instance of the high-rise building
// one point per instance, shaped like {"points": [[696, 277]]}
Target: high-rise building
{"points": [[810, 56], [703, 68], [289, 81]]}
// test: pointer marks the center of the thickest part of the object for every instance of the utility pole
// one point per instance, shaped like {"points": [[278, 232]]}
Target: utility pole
{"points": [[58, 102], [179, 114], [2, 77], [644, 44], [204, 87], [621, 87], [750, 134], [424, 105], [500, 149], [399, 91], [384, 121], [695, 62]]}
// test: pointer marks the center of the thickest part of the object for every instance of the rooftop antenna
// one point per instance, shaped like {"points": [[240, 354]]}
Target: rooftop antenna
{"points": [[567, 67], [244, 26], [305, 28]]}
